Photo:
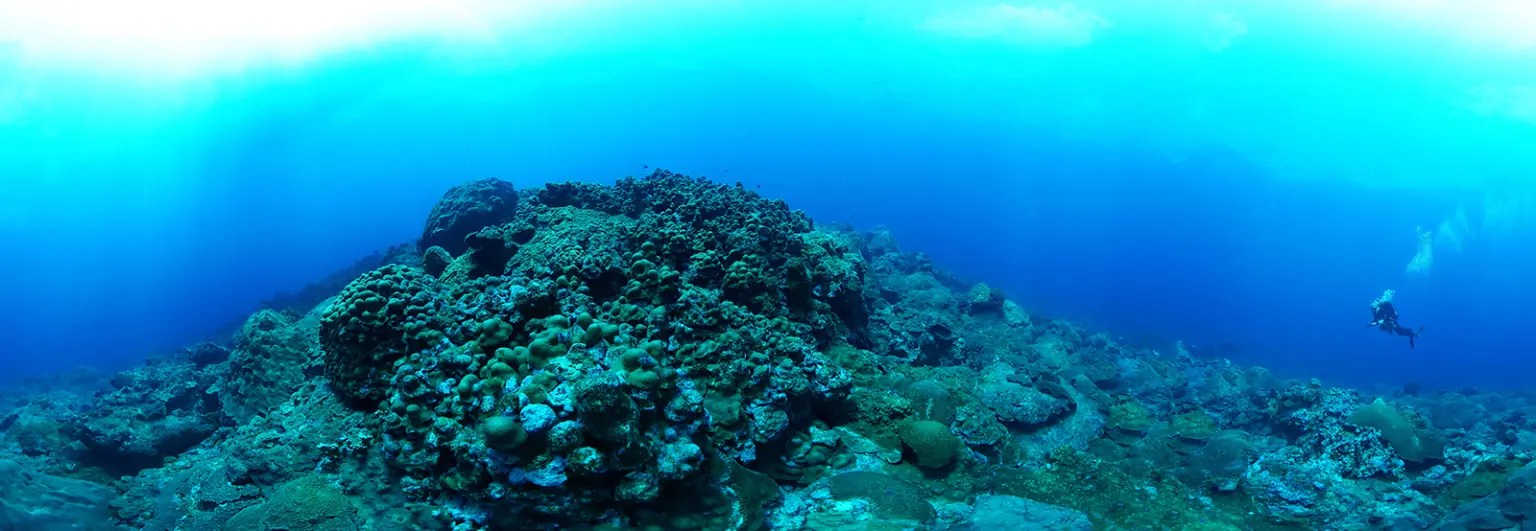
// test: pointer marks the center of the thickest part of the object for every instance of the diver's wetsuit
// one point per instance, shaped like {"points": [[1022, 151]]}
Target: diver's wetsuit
{"points": [[1385, 316]]}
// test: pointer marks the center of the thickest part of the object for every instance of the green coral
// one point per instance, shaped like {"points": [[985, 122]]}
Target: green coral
{"points": [[503, 433], [1110, 496], [1194, 425], [1130, 416], [932, 442], [376, 320], [272, 351], [1407, 440]]}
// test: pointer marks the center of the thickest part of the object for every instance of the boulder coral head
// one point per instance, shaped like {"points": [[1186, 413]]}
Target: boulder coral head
{"points": [[378, 318], [1410, 442], [465, 209], [620, 344], [931, 442]]}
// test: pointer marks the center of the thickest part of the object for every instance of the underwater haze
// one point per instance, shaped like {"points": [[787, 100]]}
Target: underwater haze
{"points": [[742, 265], [1243, 177]]}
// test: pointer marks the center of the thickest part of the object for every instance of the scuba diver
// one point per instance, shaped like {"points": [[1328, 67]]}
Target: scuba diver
{"points": [[1384, 317]]}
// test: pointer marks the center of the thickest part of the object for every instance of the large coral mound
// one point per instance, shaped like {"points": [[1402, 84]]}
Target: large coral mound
{"points": [[377, 319], [638, 333], [468, 208]]}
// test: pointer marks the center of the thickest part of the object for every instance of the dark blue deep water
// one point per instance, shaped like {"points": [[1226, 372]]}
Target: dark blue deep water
{"points": [[1243, 179]]}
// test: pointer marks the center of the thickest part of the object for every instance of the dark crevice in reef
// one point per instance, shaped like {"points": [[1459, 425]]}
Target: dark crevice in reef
{"points": [[670, 353]]}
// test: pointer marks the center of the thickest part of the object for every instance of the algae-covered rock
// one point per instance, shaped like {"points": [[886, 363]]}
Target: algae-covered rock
{"points": [[503, 433], [310, 503], [1221, 461], [187, 494], [985, 300], [892, 498], [1455, 411], [490, 248], [754, 492], [979, 426], [1511, 506], [1517, 498], [1111, 495], [1020, 406], [32, 501], [206, 353], [1290, 486], [153, 412], [1480, 515], [607, 411], [994, 512], [271, 354], [435, 260], [465, 209], [1193, 425], [1130, 416]]}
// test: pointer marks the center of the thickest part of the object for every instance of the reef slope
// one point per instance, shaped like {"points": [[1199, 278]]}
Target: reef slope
{"points": [[671, 353]]}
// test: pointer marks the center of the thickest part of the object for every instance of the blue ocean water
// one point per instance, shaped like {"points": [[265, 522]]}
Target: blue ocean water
{"points": [[1243, 178]]}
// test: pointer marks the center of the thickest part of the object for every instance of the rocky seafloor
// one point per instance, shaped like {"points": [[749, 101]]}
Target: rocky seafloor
{"points": [[670, 353]]}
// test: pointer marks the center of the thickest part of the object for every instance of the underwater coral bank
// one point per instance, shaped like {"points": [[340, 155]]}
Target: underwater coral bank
{"points": [[671, 353]]}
